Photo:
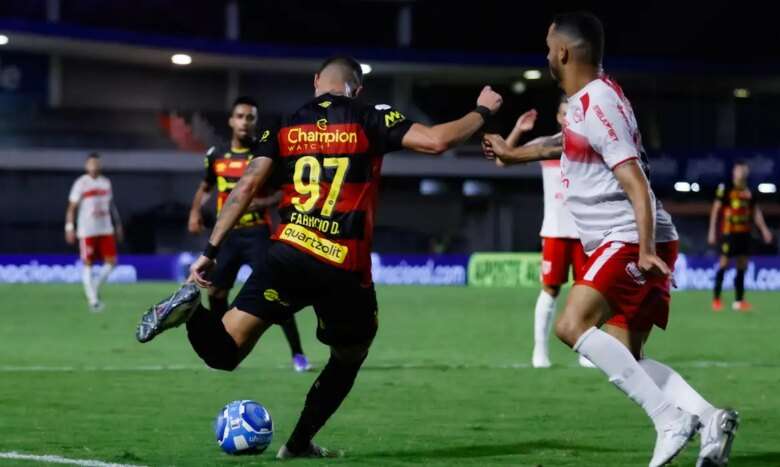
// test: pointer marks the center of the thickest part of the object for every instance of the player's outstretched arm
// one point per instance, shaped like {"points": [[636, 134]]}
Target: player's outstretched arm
{"points": [[524, 124], [761, 224], [494, 146], [712, 237], [634, 182], [251, 181], [438, 138]]}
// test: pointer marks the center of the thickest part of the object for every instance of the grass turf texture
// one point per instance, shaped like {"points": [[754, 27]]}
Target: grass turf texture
{"points": [[438, 388]]}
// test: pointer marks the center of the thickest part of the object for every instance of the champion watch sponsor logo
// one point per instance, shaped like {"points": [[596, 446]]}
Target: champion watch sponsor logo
{"points": [[312, 242]]}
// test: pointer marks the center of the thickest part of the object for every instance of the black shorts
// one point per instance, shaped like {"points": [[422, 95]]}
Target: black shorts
{"points": [[734, 245], [289, 280], [244, 245]]}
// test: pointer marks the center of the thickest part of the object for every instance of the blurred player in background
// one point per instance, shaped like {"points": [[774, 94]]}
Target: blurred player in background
{"points": [[632, 244], [249, 240], [329, 156], [737, 210], [561, 246], [97, 227]]}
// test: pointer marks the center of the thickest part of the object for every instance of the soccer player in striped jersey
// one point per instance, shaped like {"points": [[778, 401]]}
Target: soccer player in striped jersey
{"points": [[736, 208], [249, 239], [328, 156], [632, 244]]}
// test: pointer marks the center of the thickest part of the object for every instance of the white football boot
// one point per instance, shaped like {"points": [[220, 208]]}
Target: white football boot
{"points": [[716, 438], [673, 437]]}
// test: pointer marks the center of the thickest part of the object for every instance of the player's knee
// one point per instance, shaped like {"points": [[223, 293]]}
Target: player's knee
{"points": [[213, 344], [552, 290], [353, 354]]}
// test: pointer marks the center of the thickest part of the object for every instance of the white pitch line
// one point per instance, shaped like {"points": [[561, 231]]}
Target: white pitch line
{"points": [[370, 366], [51, 459]]}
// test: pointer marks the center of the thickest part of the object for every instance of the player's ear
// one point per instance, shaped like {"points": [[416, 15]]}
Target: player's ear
{"points": [[563, 55], [358, 91], [316, 80]]}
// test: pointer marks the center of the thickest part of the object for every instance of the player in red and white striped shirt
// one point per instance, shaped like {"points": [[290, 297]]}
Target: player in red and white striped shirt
{"points": [[632, 244], [97, 229]]}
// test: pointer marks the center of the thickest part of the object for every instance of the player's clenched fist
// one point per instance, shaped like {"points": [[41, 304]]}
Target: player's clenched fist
{"points": [[494, 145], [199, 269], [490, 99]]}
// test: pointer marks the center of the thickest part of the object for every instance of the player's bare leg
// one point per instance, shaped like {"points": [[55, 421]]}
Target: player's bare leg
{"points": [[719, 426], [544, 311], [723, 263], [325, 396], [740, 304], [586, 309]]}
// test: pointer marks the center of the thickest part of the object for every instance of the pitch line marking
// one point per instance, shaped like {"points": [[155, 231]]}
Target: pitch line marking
{"points": [[376, 366], [51, 459]]}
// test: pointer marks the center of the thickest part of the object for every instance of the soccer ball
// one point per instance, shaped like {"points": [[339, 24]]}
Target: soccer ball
{"points": [[244, 427]]}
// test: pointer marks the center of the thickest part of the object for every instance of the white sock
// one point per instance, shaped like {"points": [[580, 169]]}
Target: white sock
{"points": [[674, 386], [622, 369], [89, 289], [104, 273], [543, 317]]}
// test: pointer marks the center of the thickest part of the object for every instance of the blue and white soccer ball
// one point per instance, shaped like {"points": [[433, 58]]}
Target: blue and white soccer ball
{"points": [[244, 427]]}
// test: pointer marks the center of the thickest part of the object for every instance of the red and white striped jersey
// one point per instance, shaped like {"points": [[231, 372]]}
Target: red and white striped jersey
{"points": [[600, 133], [93, 195]]}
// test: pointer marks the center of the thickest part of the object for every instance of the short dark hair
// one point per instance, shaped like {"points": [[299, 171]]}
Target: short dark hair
{"points": [[244, 100], [586, 27], [347, 62], [740, 162], [93, 155]]}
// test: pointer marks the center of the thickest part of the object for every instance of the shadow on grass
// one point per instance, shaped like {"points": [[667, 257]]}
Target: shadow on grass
{"points": [[492, 450], [755, 459]]}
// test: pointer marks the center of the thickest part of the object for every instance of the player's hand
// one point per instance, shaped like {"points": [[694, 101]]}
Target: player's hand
{"points": [[120, 234], [525, 122], [712, 239], [195, 223], [494, 145], [70, 237], [199, 269], [653, 265], [490, 99], [767, 237]]}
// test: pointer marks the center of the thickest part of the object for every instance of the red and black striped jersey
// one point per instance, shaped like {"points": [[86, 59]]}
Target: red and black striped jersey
{"points": [[328, 157], [225, 166], [737, 208]]}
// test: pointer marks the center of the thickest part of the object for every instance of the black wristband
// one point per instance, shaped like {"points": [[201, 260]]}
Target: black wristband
{"points": [[211, 251], [483, 111]]}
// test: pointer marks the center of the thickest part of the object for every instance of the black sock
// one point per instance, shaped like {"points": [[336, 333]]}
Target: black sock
{"points": [[719, 282], [325, 396], [211, 341], [290, 329], [739, 285], [218, 305]]}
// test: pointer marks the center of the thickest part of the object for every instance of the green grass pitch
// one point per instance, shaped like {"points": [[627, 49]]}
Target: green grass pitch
{"points": [[446, 384]]}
